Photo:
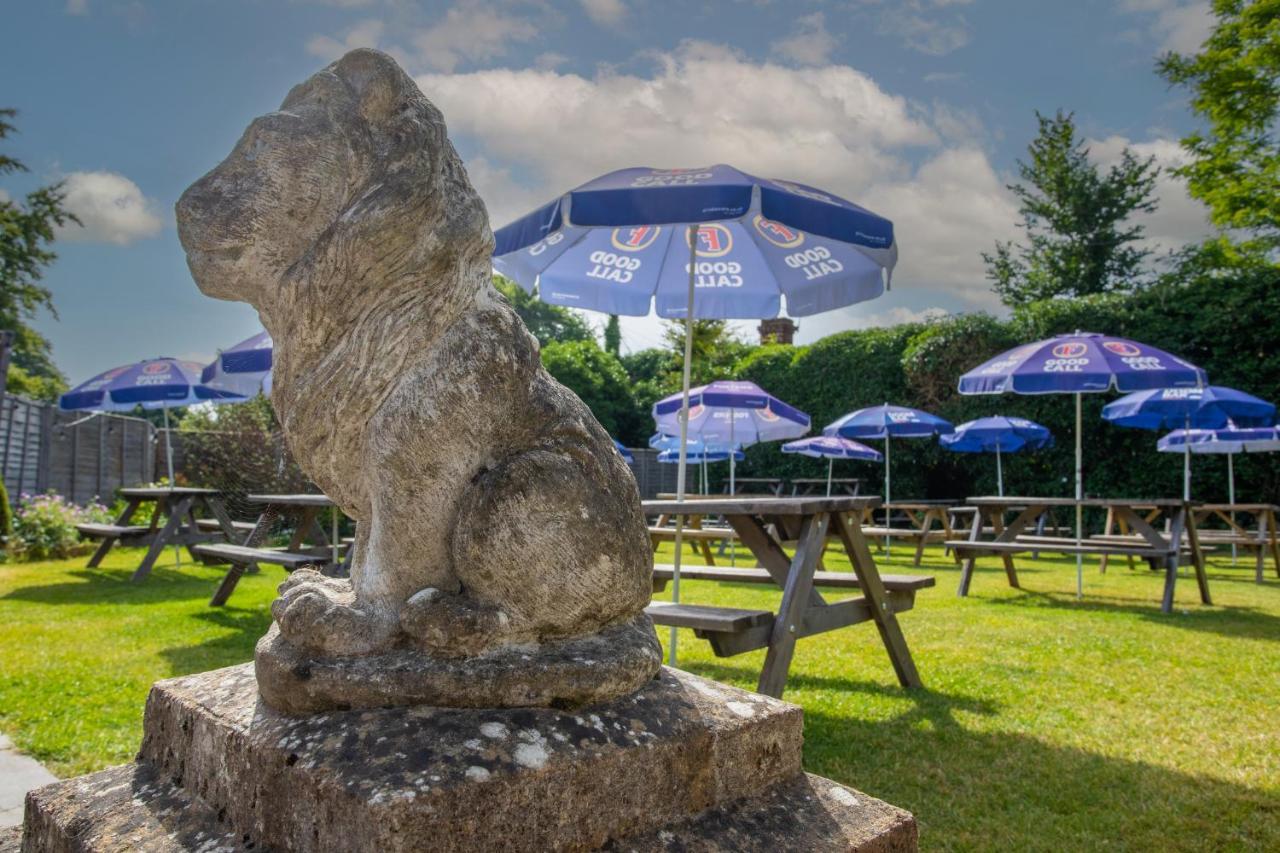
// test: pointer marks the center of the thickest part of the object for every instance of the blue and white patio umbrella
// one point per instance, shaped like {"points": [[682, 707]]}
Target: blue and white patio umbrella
{"points": [[156, 383], [709, 242], [1229, 440], [672, 457], [998, 435], [888, 422], [831, 448], [698, 452], [244, 368], [729, 413], [1210, 407], [1078, 364]]}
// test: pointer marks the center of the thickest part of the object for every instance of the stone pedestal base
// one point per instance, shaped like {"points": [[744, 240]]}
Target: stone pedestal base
{"points": [[683, 764]]}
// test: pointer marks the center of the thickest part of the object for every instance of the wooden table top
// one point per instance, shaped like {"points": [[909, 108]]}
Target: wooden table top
{"points": [[291, 500], [822, 480], [923, 504], [761, 506], [1103, 503], [165, 491], [1241, 507]]}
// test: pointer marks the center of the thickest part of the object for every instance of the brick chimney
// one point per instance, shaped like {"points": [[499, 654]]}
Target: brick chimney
{"points": [[779, 330]]}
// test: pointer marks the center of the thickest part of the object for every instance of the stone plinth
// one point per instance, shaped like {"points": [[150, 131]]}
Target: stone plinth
{"points": [[684, 763]]}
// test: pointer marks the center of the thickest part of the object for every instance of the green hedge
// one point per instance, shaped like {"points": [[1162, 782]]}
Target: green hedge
{"points": [[1228, 326]]}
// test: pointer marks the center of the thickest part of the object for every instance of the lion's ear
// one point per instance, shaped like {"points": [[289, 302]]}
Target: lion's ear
{"points": [[379, 85]]}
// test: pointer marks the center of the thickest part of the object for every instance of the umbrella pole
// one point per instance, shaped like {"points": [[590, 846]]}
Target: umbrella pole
{"points": [[168, 456], [1186, 462], [684, 430], [733, 490], [1231, 497], [888, 513], [830, 462], [1079, 498], [999, 473], [333, 534]]}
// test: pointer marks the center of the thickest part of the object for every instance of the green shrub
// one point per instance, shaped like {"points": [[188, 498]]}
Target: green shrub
{"points": [[6, 516], [45, 526]]}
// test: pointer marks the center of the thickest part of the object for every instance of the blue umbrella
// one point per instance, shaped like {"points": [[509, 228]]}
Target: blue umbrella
{"points": [[155, 383], [627, 455], [244, 368], [1081, 363], [998, 435], [739, 244], [831, 448], [888, 422], [704, 456], [1229, 440], [731, 414], [1210, 407]]}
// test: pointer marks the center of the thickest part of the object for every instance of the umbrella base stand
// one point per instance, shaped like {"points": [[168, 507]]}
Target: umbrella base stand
{"points": [[683, 763]]}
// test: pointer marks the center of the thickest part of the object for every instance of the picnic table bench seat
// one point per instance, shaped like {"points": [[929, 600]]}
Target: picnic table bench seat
{"points": [[699, 533], [840, 580], [213, 525], [733, 631], [113, 531], [1059, 545], [230, 553]]}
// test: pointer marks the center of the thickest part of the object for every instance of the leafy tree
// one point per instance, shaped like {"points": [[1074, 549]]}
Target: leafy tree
{"points": [[26, 233], [716, 349], [1075, 218], [547, 323], [599, 379], [613, 336], [1235, 85]]}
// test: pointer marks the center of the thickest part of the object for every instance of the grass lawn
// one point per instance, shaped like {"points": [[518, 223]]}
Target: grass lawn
{"points": [[1046, 722]]}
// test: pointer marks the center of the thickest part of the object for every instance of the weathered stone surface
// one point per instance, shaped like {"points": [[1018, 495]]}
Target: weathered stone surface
{"points": [[128, 809], [559, 674], [10, 839], [527, 778], [806, 812], [493, 509]]}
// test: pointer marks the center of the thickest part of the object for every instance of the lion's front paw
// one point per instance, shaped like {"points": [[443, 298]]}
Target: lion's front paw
{"points": [[452, 625], [320, 614]]}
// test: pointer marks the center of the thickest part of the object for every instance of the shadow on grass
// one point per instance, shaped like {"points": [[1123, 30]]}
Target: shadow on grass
{"points": [[97, 586], [1002, 789], [244, 628], [1228, 621]]}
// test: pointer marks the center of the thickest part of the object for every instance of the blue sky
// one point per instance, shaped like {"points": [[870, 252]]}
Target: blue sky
{"points": [[915, 108]]}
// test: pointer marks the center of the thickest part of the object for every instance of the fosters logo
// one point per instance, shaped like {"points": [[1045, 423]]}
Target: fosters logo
{"points": [[634, 239], [714, 241], [777, 233], [1072, 350]]}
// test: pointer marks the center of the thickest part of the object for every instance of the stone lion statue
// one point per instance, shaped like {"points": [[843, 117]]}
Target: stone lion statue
{"points": [[501, 557]]}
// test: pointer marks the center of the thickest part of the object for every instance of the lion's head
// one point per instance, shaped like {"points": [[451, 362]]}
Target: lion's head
{"points": [[355, 163]]}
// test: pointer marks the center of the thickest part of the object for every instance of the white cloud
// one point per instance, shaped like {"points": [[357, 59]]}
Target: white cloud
{"points": [[809, 42], [921, 27], [77, 7], [607, 13], [1179, 219], [111, 208], [1177, 25], [833, 126], [367, 33], [470, 31]]}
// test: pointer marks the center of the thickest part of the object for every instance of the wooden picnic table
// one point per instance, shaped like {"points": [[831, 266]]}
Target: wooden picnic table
{"points": [[177, 506], [1161, 549], [805, 486], [762, 524], [921, 515], [308, 545], [770, 485], [1263, 539]]}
